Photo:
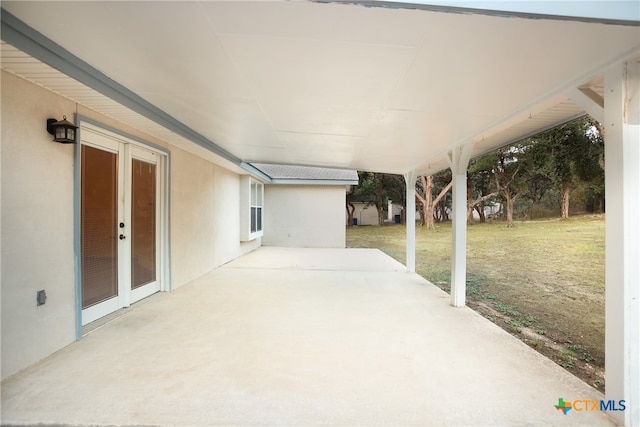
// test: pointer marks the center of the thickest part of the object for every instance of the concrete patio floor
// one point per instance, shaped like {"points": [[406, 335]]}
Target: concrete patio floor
{"points": [[298, 337]]}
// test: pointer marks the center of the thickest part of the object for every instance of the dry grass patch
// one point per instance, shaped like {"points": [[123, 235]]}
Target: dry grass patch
{"points": [[543, 281]]}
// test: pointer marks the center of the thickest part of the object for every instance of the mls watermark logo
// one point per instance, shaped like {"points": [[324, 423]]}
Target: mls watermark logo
{"points": [[563, 406], [589, 405]]}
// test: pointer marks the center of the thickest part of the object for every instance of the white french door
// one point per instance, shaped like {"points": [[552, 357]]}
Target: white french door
{"points": [[121, 206]]}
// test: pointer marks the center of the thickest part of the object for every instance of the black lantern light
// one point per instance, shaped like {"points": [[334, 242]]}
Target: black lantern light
{"points": [[63, 131]]}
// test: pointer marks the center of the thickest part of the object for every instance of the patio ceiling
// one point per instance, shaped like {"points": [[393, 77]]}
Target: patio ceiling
{"points": [[387, 89]]}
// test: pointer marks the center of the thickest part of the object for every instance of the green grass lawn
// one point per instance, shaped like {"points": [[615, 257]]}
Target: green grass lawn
{"points": [[543, 281]]}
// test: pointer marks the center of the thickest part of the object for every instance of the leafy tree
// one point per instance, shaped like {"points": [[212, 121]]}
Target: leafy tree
{"points": [[571, 156], [558, 161], [508, 177], [536, 173], [364, 191], [377, 187], [396, 189], [440, 181], [480, 185]]}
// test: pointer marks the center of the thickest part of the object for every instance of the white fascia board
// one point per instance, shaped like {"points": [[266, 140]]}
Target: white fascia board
{"points": [[312, 182], [256, 173]]}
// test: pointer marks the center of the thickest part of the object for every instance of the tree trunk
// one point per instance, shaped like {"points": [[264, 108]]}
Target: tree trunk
{"points": [[503, 187], [442, 214], [380, 214], [470, 219], [427, 202], [510, 202], [478, 205], [350, 210], [428, 214], [379, 198], [427, 184], [434, 202], [564, 206], [420, 207], [421, 203]]}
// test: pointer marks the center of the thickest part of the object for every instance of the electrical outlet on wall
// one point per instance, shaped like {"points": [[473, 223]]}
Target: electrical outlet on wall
{"points": [[41, 297]]}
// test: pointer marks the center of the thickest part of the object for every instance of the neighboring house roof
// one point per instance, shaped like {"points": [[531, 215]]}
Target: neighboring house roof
{"points": [[287, 174]]}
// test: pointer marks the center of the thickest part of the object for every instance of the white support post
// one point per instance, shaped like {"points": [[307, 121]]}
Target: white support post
{"points": [[410, 182], [622, 266], [459, 162]]}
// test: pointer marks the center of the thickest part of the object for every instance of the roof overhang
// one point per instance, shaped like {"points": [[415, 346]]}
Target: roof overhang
{"points": [[306, 175], [388, 89]]}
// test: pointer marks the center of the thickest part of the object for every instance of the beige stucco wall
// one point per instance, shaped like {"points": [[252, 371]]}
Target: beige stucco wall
{"points": [[304, 216], [205, 201], [37, 229], [37, 226]]}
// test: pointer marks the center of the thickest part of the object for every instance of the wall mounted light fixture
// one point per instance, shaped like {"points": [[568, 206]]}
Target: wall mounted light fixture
{"points": [[63, 131]]}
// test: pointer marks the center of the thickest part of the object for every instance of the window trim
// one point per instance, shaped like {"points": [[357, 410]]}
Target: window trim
{"points": [[251, 208]]}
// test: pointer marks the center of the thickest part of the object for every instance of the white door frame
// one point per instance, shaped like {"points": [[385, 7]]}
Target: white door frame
{"points": [[128, 148]]}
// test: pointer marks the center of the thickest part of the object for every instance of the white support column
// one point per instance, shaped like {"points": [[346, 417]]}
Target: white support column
{"points": [[459, 162], [410, 182], [622, 278]]}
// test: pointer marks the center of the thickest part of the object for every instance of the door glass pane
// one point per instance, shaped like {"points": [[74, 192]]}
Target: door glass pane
{"points": [[143, 223], [99, 222]]}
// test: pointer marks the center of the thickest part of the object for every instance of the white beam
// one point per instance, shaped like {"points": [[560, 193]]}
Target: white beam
{"points": [[589, 101], [459, 162], [622, 278], [410, 182]]}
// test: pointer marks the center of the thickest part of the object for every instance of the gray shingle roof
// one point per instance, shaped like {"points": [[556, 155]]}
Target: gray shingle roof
{"points": [[306, 173]]}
